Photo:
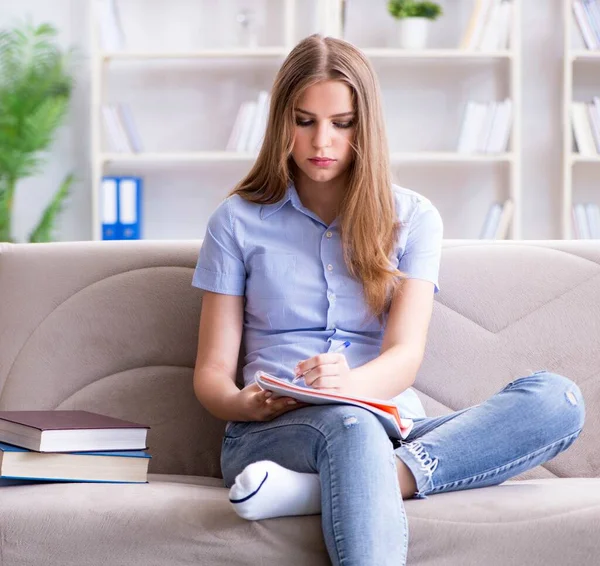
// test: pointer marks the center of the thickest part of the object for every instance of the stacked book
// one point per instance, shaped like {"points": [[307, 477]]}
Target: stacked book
{"points": [[585, 117], [587, 16], [71, 446], [485, 127], [586, 221], [250, 124], [489, 26]]}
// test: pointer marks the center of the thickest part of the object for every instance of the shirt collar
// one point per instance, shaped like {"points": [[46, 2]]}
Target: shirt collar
{"points": [[290, 195]]}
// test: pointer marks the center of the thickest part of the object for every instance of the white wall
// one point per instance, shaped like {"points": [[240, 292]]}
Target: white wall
{"points": [[202, 186]]}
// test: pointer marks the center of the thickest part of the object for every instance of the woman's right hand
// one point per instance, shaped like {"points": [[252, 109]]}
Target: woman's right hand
{"points": [[259, 405]]}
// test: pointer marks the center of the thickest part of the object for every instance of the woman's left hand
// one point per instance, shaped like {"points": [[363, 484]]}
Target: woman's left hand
{"points": [[326, 371]]}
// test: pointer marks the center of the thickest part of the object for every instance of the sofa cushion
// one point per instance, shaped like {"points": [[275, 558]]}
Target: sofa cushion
{"points": [[188, 520]]}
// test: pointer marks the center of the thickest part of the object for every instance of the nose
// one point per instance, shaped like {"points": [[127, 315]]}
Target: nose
{"points": [[322, 136]]}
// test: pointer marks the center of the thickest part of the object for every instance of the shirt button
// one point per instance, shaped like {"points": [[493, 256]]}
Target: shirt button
{"points": [[332, 297], [329, 234], [329, 267]]}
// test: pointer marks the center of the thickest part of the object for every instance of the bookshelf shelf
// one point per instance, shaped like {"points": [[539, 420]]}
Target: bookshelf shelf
{"points": [[449, 157], [445, 54], [582, 55], [195, 156], [228, 156], [376, 53], [498, 73], [262, 52], [578, 158]]}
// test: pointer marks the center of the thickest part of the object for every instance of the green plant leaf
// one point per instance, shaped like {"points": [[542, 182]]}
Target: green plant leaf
{"points": [[414, 9], [4, 216], [43, 231]]}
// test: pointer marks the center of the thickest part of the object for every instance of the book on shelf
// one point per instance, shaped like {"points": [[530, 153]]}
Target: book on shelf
{"points": [[70, 431], [112, 36], [586, 221], [386, 412], [122, 135], [20, 465], [585, 120], [488, 28], [121, 207], [594, 120], [587, 17], [240, 121], [125, 115], [485, 127], [497, 221], [504, 220], [250, 124]]}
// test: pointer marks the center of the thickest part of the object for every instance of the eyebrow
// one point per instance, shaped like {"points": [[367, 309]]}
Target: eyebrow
{"points": [[333, 116]]}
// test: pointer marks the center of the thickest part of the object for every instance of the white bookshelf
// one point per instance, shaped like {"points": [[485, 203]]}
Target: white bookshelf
{"points": [[506, 63], [460, 54], [232, 53], [579, 170]]}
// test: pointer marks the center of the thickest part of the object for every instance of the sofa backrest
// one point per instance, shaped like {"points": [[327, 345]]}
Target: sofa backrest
{"points": [[112, 327]]}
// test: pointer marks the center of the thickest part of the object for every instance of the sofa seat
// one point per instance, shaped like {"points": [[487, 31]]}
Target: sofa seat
{"points": [[187, 520]]}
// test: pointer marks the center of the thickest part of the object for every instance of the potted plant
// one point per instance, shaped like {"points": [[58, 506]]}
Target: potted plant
{"points": [[413, 18], [35, 89]]}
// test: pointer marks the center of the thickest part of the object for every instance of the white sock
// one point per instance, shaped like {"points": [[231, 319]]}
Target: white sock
{"points": [[265, 489]]}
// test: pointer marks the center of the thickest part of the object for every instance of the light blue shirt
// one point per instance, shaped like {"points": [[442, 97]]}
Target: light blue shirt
{"points": [[300, 298]]}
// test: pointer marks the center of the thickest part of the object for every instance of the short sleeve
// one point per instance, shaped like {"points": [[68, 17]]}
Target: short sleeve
{"points": [[220, 267], [423, 249]]}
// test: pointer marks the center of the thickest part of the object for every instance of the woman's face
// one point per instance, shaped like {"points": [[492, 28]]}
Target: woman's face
{"points": [[324, 131]]}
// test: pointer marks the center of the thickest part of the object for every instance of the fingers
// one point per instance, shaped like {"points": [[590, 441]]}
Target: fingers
{"points": [[322, 372], [320, 360], [328, 382], [272, 406], [253, 388]]}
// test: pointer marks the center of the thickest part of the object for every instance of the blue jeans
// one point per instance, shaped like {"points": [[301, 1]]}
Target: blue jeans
{"points": [[527, 423]]}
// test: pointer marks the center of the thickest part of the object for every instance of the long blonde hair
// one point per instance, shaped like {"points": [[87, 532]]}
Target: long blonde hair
{"points": [[367, 212]]}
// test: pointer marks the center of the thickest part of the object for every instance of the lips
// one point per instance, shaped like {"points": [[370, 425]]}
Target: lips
{"points": [[321, 160]]}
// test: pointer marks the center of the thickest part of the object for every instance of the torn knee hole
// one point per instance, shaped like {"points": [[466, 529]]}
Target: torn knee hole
{"points": [[571, 397], [350, 421], [427, 463]]}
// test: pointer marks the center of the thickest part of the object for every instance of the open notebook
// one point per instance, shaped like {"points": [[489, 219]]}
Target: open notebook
{"points": [[386, 412]]}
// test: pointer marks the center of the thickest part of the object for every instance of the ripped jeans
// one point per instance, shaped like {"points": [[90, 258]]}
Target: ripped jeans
{"points": [[527, 423]]}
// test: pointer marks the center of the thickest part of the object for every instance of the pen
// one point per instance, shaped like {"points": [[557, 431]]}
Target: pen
{"points": [[337, 350]]}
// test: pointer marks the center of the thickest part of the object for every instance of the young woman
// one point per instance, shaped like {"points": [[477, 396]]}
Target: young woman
{"points": [[316, 247]]}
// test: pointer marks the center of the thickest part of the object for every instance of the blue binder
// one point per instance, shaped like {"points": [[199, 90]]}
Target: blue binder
{"points": [[121, 208], [130, 208], [109, 208]]}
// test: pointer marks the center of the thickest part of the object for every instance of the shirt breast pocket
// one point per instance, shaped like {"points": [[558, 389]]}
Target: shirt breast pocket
{"points": [[272, 275]]}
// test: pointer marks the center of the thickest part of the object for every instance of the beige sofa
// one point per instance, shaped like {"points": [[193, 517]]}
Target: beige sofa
{"points": [[112, 327]]}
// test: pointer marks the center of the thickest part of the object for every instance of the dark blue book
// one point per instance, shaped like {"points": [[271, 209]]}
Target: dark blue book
{"points": [[124, 466]]}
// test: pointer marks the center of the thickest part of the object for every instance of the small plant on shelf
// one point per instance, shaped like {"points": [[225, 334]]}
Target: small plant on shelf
{"points": [[413, 21], [409, 9]]}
